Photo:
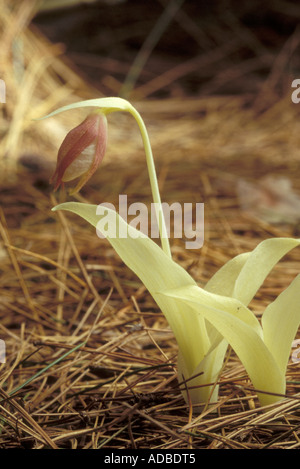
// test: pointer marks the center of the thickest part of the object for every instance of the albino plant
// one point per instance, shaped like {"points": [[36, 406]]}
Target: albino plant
{"points": [[204, 320]]}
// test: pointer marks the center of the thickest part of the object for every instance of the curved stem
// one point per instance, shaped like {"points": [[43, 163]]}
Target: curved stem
{"points": [[153, 178], [153, 182]]}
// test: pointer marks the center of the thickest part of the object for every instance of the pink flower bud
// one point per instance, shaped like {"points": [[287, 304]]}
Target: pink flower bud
{"points": [[81, 152]]}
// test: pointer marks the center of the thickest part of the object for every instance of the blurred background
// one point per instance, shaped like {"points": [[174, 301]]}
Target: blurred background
{"points": [[177, 48], [188, 59]]}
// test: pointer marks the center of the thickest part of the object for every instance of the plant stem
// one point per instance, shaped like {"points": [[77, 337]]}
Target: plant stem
{"points": [[153, 181]]}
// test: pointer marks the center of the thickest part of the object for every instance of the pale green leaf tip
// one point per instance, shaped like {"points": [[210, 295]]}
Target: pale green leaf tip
{"points": [[62, 206]]}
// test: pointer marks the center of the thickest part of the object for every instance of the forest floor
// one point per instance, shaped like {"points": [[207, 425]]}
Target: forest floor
{"points": [[90, 358]]}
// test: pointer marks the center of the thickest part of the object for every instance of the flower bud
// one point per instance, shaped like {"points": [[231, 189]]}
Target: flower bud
{"points": [[81, 152]]}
